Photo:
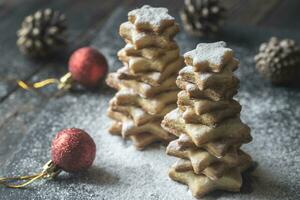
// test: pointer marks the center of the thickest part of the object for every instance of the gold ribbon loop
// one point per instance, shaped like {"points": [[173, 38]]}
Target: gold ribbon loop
{"points": [[50, 170], [64, 83]]}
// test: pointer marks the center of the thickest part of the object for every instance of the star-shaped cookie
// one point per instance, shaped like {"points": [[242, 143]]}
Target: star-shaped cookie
{"points": [[216, 94], [211, 80], [129, 129], [137, 114], [202, 106], [149, 53], [202, 134], [142, 40], [149, 18], [140, 141], [151, 105], [201, 184], [143, 89], [202, 162], [152, 78], [138, 64], [209, 56], [200, 158]]}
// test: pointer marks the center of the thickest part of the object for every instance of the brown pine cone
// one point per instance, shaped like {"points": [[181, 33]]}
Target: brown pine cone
{"points": [[279, 60], [42, 33], [202, 17]]}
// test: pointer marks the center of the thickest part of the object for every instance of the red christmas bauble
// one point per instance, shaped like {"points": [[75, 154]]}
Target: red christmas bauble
{"points": [[87, 66], [73, 150]]}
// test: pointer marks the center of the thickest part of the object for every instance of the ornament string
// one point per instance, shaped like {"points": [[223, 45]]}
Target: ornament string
{"points": [[50, 170], [37, 85], [64, 83], [29, 179]]}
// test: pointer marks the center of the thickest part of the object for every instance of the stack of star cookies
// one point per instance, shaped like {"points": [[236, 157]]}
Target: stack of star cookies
{"points": [[207, 122], [146, 83]]}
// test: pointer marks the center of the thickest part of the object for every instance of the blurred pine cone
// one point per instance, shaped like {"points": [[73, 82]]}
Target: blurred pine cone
{"points": [[202, 17], [42, 33], [278, 60]]}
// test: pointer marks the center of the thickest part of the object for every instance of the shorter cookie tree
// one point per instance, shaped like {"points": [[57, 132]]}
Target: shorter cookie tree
{"points": [[207, 122]]}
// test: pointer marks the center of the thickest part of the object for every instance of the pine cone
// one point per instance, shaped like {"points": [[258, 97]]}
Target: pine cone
{"points": [[279, 60], [42, 33], [202, 17]]}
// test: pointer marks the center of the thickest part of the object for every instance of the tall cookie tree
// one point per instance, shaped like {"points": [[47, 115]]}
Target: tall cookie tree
{"points": [[146, 83], [207, 122]]}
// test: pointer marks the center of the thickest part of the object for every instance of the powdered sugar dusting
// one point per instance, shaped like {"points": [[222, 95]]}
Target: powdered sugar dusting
{"points": [[190, 70], [127, 125], [128, 46], [144, 86], [190, 87], [151, 15], [131, 30], [156, 76], [204, 76], [187, 69], [174, 145], [138, 112], [125, 92], [173, 115]]}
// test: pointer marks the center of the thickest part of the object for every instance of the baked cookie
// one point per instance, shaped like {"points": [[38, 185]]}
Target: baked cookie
{"points": [[204, 111], [142, 40], [205, 80], [129, 128], [201, 134], [201, 106], [209, 57], [152, 78], [151, 105], [152, 19], [200, 158], [141, 64], [201, 184], [215, 94], [137, 114], [217, 148], [215, 170], [140, 141], [211, 119], [149, 53], [143, 89]]}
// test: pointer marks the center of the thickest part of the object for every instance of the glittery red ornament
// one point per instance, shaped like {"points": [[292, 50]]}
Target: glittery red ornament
{"points": [[73, 150], [87, 66]]}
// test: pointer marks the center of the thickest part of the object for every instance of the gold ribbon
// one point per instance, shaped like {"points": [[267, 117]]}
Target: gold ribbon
{"points": [[50, 170], [64, 83]]}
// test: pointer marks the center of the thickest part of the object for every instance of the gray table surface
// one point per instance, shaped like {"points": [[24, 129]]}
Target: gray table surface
{"points": [[121, 172]]}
